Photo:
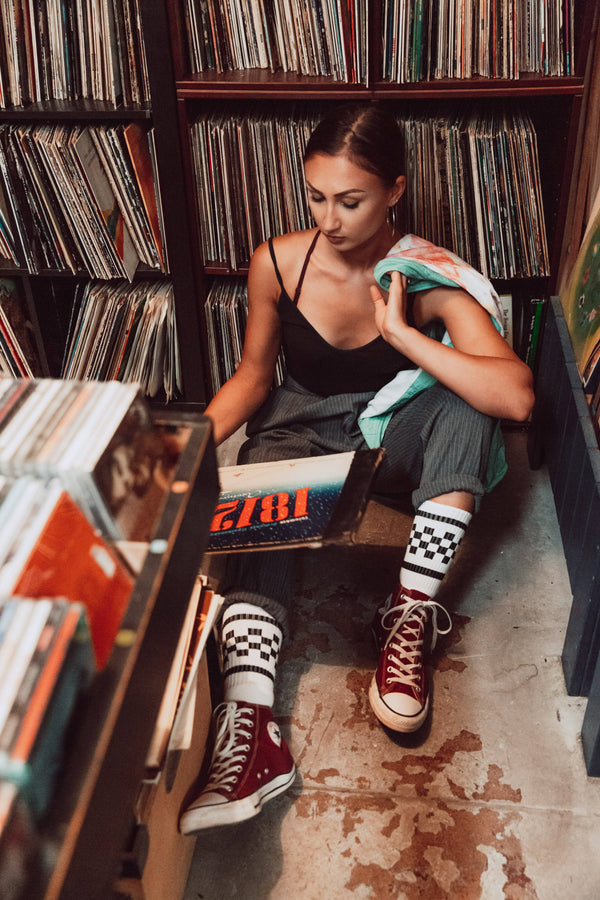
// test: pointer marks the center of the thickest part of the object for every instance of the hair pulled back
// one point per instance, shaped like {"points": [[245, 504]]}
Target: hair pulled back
{"points": [[367, 134]]}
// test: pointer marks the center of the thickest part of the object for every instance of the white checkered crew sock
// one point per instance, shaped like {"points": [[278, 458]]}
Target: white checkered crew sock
{"points": [[250, 644], [436, 532]]}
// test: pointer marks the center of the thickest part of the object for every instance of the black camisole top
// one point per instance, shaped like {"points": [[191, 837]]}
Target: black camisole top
{"points": [[322, 368]]}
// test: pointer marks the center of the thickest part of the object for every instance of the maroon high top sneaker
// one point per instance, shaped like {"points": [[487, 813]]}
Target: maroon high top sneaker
{"points": [[399, 691], [250, 765]]}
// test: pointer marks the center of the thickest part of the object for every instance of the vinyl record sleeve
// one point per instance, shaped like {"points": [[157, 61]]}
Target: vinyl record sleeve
{"points": [[306, 502]]}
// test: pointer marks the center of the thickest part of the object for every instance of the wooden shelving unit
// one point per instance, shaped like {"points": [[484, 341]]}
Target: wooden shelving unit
{"points": [[48, 295], [176, 95], [553, 102], [90, 816]]}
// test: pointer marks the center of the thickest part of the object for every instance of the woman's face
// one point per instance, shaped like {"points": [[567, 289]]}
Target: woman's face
{"points": [[348, 203]]}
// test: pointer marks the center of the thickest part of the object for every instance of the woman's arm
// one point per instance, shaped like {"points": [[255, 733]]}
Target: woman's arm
{"points": [[480, 366], [248, 388]]}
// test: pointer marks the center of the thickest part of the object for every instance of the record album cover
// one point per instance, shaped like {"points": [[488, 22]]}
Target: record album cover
{"points": [[581, 305], [294, 502]]}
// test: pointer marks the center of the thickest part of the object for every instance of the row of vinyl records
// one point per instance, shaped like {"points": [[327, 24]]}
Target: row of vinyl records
{"points": [[226, 314], [65, 583], [71, 50], [69, 454], [97, 437], [421, 39], [428, 39], [46, 661], [76, 198], [321, 38], [473, 184], [118, 332], [45, 646]]}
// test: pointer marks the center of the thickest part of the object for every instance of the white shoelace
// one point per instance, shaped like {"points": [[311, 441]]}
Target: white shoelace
{"points": [[234, 723], [405, 651]]}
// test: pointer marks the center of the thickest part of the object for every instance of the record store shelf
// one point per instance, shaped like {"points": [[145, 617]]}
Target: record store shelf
{"points": [[89, 819], [569, 447]]}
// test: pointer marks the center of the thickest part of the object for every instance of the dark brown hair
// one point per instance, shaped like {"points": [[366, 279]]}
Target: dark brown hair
{"points": [[366, 134]]}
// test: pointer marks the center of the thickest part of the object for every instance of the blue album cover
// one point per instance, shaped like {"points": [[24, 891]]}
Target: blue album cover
{"points": [[285, 502]]}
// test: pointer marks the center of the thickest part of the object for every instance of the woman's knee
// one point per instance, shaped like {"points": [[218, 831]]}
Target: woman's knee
{"points": [[440, 433]]}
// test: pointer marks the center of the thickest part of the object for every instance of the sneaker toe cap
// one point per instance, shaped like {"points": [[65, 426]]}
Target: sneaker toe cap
{"points": [[402, 704], [207, 799]]}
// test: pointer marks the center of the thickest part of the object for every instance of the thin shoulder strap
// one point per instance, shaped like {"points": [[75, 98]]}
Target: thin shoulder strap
{"points": [[304, 267], [276, 267]]}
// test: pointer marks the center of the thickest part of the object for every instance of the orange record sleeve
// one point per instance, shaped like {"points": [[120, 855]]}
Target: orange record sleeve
{"points": [[70, 559]]}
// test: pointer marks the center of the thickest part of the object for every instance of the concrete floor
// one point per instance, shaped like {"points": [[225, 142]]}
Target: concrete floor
{"points": [[491, 798]]}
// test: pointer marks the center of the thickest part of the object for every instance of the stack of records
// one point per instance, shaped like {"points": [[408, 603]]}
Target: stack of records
{"points": [[18, 355], [125, 332], [430, 39], [48, 548], [226, 314], [255, 157], [473, 186], [81, 198], [201, 614], [8, 243], [97, 438], [45, 659], [326, 38], [84, 49]]}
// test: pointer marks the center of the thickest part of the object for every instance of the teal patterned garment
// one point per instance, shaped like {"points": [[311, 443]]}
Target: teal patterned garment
{"points": [[425, 266]]}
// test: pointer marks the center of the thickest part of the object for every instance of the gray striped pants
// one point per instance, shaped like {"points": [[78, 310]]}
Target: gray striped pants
{"points": [[434, 444]]}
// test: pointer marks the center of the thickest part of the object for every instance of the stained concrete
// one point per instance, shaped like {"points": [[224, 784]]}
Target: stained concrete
{"points": [[491, 798]]}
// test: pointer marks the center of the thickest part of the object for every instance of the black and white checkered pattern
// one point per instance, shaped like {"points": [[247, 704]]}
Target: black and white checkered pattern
{"points": [[425, 542], [434, 540], [250, 643]]}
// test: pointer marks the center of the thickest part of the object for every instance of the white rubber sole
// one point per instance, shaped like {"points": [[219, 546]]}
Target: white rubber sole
{"points": [[230, 812], [392, 720]]}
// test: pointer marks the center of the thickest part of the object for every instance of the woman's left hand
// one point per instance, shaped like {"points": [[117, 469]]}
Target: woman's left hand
{"points": [[390, 314], [479, 365]]}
